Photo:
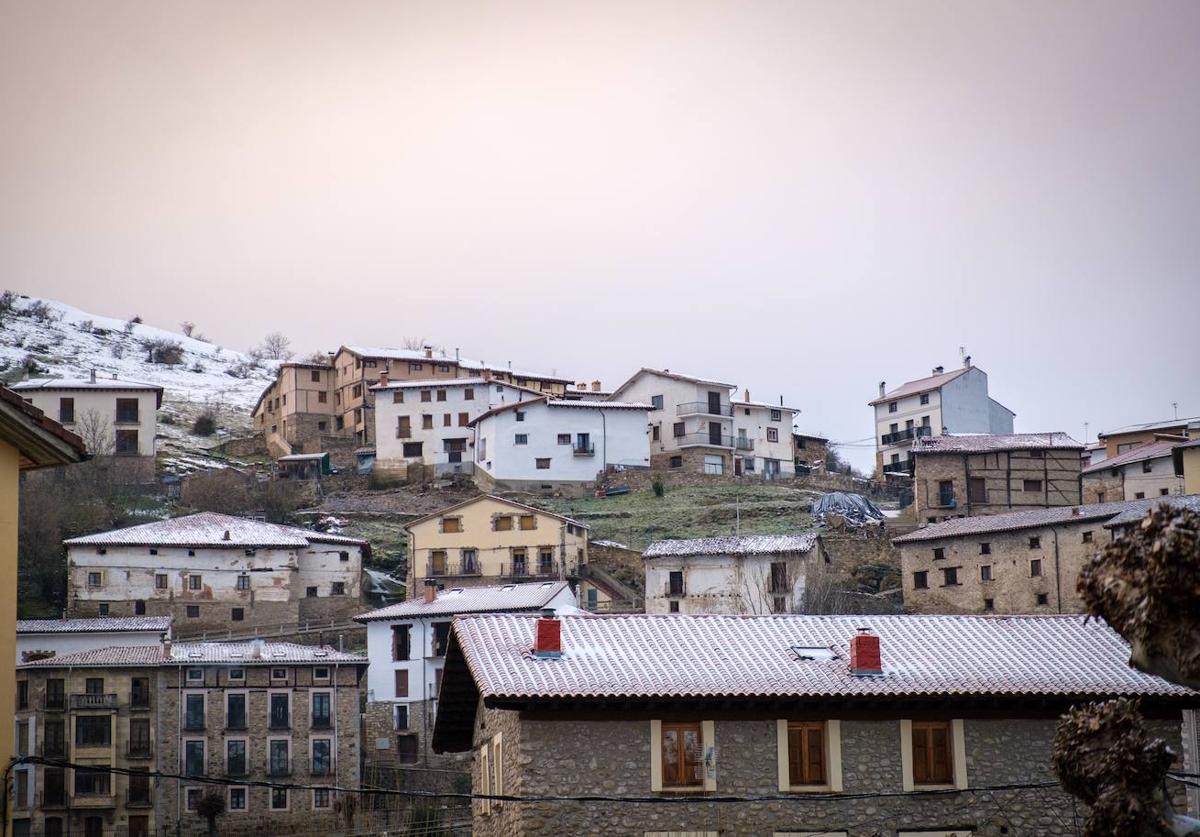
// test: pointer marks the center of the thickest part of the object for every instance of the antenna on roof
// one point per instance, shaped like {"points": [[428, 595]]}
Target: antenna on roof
{"points": [[1175, 407]]}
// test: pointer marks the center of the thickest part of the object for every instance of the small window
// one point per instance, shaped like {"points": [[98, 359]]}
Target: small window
{"points": [[279, 674], [339, 588], [468, 394], [238, 674], [160, 581], [441, 395], [321, 673], [1087, 536], [989, 605], [772, 434], [521, 439], [464, 419], [139, 607], [407, 751], [321, 798], [397, 396], [195, 675], [1147, 466], [673, 606], [543, 464], [682, 755], [921, 580], [528, 522], [243, 582], [1043, 598], [279, 799], [426, 395], [676, 462], [1035, 543], [343, 556], [95, 579], [1035, 568], [310, 592], [1037, 454], [776, 415], [237, 798], [656, 402], [1141, 495], [893, 407], [950, 577], [932, 753], [195, 582], [1032, 486], [102, 609], [678, 429], [924, 399], [985, 572], [939, 553], [153, 551], [520, 414], [193, 611], [502, 523], [427, 421], [564, 438], [985, 548], [452, 524], [655, 433]]}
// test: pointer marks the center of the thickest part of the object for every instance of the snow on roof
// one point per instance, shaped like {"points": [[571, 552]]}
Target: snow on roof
{"points": [[1152, 425], [494, 498], [212, 530], [739, 545], [83, 383], [678, 376], [108, 657], [104, 624], [302, 457], [593, 404], [921, 385], [471, 600], [1150, 450], [418, 356], [254, 652], [987, 443], [766, 405], [1139, 508], [671, 656]]}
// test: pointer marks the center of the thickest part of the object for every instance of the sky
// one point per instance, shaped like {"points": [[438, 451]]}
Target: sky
{"points": [[804, 198]]}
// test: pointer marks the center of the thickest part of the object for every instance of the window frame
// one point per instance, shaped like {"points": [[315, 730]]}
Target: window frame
{"points": [[832, 743], [958, 753], [707, 741]]}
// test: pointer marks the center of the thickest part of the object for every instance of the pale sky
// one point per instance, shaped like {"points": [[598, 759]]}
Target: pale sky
{"points": [[804, 198]]}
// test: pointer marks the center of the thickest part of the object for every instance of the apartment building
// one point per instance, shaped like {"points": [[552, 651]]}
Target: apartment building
{"points": [[424, 428], [1131, 436], [1022, 562], [115, 417], [852, 716], [489, 540], [555, 445], [211, 571], [42, 638], [943, 402], [1140, 472], [406, 645], [762, 439], [297, 407], [691, 420], [957, 476], [738, 574]]}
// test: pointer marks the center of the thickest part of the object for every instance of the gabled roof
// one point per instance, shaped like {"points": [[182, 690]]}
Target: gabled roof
{"points": [[734, 545], [1151, 450], [1170, 424], [989, 443], [481, 497], [1138, 510], [676, 376], [418, 356], [104, 624], [560, 403], [516, 405], [209, 529], [113, 656], [87, 384], [40, 441], [765, 405], [491, 599], [921, 385]]}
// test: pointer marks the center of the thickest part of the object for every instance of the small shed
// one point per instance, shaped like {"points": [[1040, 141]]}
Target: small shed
{"points": [[303, 466]]}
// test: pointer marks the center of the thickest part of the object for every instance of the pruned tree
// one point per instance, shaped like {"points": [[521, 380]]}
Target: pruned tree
{"points": [[276, 346], [211, 806], [96, 431]]}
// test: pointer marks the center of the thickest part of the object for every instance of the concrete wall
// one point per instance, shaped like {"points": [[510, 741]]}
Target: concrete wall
{"points": [[103, 403], [965, 407], [1000, 420]]}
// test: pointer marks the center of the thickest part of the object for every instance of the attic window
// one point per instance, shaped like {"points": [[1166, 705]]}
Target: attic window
{"points": [[806, 652], [249, 551]]}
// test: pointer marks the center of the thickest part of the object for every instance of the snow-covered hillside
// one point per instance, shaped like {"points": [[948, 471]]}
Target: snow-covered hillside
{"points": [[45, 338]]}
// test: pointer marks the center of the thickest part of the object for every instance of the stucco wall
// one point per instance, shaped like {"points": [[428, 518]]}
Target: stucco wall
{"points": [[102, 402]]}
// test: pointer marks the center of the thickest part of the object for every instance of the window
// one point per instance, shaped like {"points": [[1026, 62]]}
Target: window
{"points": [[1032, 486], [193, 758], [893, 407], [656, 402], [441, 638], [564, 438], [322, 758], [452, 524], [950, 577], [989, 605], [102, 609], [160, 581], [321, 798], [281, 711], [406, 748], [441, 395], [1147, 466], [1035, 543], [1043, 599], [95, 579], [946, 493], [464, 419], [195, 582], [401, 642], [447, 420], [22, 694], [977, 489], [243, 582], [192, 797], [921, 580], [939, 553], [427, 421], [413, 450], [235, 757], [678, 429], [985, 572], [237, 675], [1037, 454], [321, 673], [924, 399], [400, 718], [401, 676], [126, 442], [279, 762], [1035, 568], [195, 675], [809, 755], [673, 606], [66, 410], [93, 782], [932, 745], [655, 433], [193, 713], [1141, 495], [321, 716], [772, 434], [520, 415], [127, 411], [403, 427], [542, 463], [235, 710], [676, 462], [139, 607], [279, 796], [338, 588], [680, 751], [54, 738], [675, 583], [237, 799], [468, 394], [279, 674], [1163, 492], [521, 439], [528, 522], [502, 523], [193, 611], [310, 592]]}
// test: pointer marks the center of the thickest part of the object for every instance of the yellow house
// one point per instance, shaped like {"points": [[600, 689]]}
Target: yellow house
{"points": [[1187, 465], [490, 540], [28, 440]]}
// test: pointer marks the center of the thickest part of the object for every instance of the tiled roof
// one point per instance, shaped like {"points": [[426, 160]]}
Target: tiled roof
{"points": [[675, 376], [804, 435], [987, 443], [1032, 519], [30, 430], [502, 500], [642, 656], [1139, 508], [592, 404], [471, 600], [110, 656], [418, 356], [743, 545], [199, 653], [1151, 425], [920, 385], [765, 405], [1150, 450], [210, 529], [84, 383], [104, 624]]}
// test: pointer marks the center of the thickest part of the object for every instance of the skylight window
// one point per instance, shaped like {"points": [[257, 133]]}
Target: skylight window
{"points": [[806, 652]]}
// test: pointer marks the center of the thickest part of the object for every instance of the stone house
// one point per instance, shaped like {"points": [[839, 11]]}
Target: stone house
{"points": [[489, 540], [121, 417], [215, 571], [297, 407], [943, 402], [739, 574], [39, 638], [1132, 436], [810, 452], [253, 712], [558, 446], [1143, 471], [831, 725], [1023, 562], [406, 646], [964, 476], [762, 439]]}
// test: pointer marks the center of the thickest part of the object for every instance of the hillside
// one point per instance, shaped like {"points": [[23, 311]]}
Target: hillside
{"points": [[47, 338]]}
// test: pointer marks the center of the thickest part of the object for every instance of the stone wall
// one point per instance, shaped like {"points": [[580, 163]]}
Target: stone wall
{"points": [[1103, 487], [692, 460], [1004, 474], [613, 758]]}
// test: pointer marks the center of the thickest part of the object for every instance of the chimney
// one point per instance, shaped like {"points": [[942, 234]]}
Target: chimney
{"points": [[882, 388], [595, 386], [487, 374], [967, 362], [114, 376], [938, 370], [383, 377], [429, 351], [547, 642], [864, 653], [1074, 511], [430, 590], [747, 391], [581, 387], [225, 537], [166, 645], [94, 376]]}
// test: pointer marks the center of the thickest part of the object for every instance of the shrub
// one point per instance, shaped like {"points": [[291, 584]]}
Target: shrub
{"points": [[85, 325], [8, 301], [659, 488], [169, 352], [205, 424], [117, 350], [40, 311], [30, 364], [196, 367]]}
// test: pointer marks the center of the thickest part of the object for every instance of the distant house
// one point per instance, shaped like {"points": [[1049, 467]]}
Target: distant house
{"points": [[944, 402], [303, 466], [811, 725], [41, 638], [551, 445], [964, 476], [406, 644], [746, 574], [810, 452], [762, 438], [215, 571], [1140, 472], [297, 407], [113, 416], [1131, 436]]}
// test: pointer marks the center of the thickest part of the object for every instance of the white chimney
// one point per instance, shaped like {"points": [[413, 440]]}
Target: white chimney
{"points": [[93, 377], [595, 386], [747, 391], [967, 362], [882, 388]]}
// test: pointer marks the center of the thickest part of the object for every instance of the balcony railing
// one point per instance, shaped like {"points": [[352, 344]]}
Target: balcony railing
{"points": [[715, 440], [584, 450], [905, 434], [236, 768], [530, 569], [704, 408], [94, 799], [139, 750], [193, 724], [742, 443], [902, 467], [321, 723], [673, 591], [448, 568], [321, 770], [139, 798], [280, 722], [89, 701]]}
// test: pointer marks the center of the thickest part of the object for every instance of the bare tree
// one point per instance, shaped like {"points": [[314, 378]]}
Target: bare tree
{"points": [[413, 343], [187, 327], [211, 806], [276, 346], [94, 428]]}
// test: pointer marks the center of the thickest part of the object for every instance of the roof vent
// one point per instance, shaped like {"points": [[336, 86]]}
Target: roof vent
{"points": [[194, 655], [547, 641], [938, 370], [320, 652], [508, 587], [237, 655], [864, 654], [546, 584], [225, 537], [278, 653]]}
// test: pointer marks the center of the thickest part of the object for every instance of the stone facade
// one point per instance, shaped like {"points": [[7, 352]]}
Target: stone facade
{"points": [[691, 460], [1103, 488], [546, 757], [1012, 480]]}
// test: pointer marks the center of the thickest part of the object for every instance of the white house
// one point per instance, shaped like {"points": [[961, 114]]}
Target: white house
{"points": [[543, 443], [40, 638], [1139, 473], [747, 574], [215, 571], [428, 422], [406, 646], [762, 438], [691, 420], [112, 416]]}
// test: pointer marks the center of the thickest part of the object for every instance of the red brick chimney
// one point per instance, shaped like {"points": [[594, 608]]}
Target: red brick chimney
{"points": [[864, 653], [547, 641], [430, 590], [487, 374], [429, 351], [383, 377], [595, 386]]}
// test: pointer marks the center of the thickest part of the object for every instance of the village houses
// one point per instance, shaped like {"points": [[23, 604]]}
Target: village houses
{"points": [[40, 638], [762, 438], [406, 646], [968, 475], [826, 709], [1132, 436], [214, 571], [810, 452], [944, 402], [115, 417], [1139, 472]]}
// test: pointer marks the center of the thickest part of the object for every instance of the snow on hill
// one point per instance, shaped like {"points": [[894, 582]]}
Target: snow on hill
{"points": [[42, 338]]}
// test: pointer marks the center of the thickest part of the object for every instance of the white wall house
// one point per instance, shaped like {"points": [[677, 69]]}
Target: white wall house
{"points": [[954, 402], [543, 442], [38, 638], [112, 416], [691, 420], [406, 646], [748, 574], [429, 421], [762, 438], [1141, 473]]}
